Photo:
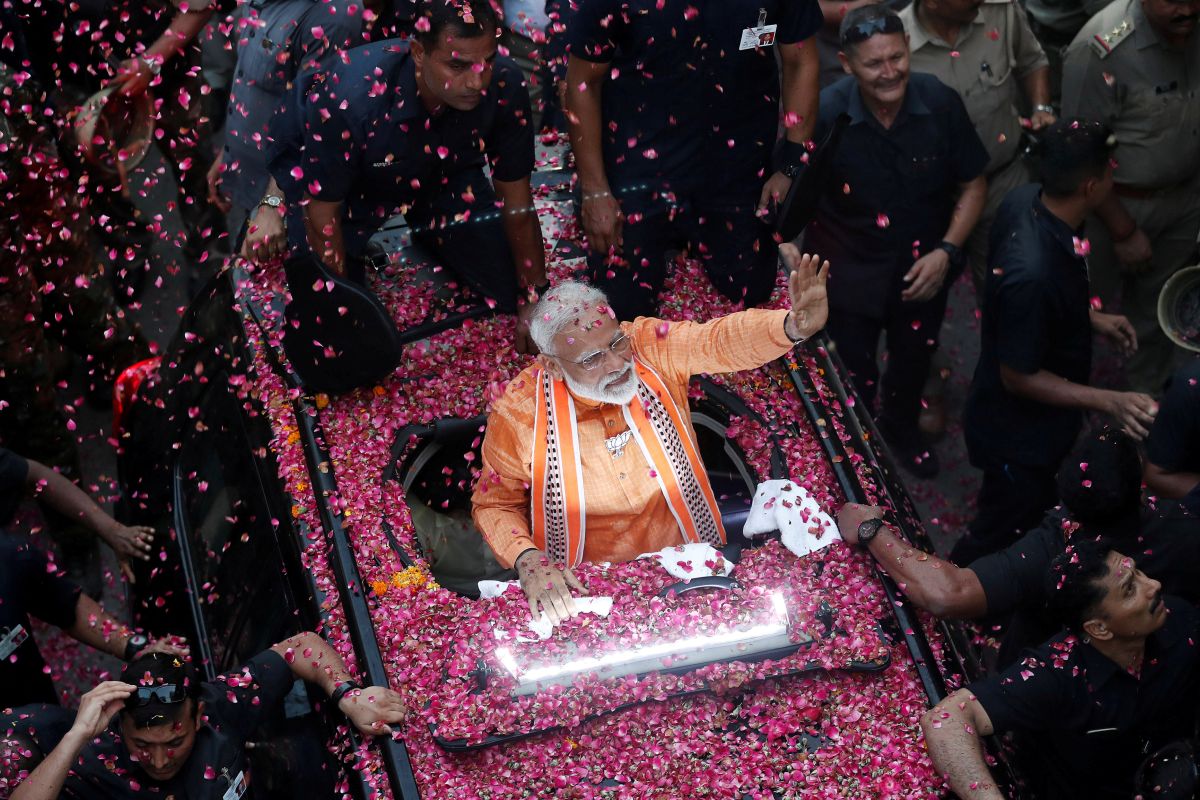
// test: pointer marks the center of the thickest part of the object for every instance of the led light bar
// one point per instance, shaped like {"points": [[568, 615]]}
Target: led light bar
{"points": [[687, 653]]}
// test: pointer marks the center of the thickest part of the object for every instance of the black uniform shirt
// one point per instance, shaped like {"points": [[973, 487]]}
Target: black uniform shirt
{"points": [[369, 142], [1164, 541], [234, 706], [28, 586], [1035, 317], [892, 190], [14, 471], [683, 106], [1174, 441], [1094, 721]]}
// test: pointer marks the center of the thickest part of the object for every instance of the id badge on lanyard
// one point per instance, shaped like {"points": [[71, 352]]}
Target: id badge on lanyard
{"points": [[237, 785], [761, 35], [11, 639]]}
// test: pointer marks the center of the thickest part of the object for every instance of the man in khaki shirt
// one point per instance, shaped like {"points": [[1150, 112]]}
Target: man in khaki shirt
{"points": [[983, 50], [1135, 66]]}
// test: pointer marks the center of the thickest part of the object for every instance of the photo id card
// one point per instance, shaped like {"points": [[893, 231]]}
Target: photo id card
{"points": [[758, 36], [11, 639], [237, 787]]}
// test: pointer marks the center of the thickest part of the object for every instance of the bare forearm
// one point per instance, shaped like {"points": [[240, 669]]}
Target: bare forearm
{"points": [[523, 231], [311, 659], [1037, 87], [937, 586], [98, 629], [1050, 389], [323, 226], [956, 750], [46, 782], [967, 211], [183, 30], [68, 499], [1170, 484], [801, 89], [584, 85], [1117, 221]]}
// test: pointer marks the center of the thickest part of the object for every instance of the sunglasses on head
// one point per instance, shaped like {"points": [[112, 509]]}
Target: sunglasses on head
{"points": [[865, 30], [168, 694]]}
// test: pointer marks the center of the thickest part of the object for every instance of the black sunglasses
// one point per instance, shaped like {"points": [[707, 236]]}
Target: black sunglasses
{"points": [[168, 694], [865, 30]]}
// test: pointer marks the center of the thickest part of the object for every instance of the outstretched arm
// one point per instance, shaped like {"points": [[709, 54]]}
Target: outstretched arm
{"points": [[69, 500], [937, 586], [952, 733], [311, 659]]}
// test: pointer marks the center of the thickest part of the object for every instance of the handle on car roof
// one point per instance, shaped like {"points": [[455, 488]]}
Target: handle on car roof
{"points": [[710, 582]]}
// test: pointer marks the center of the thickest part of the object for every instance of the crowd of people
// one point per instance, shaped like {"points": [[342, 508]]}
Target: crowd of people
{"points": [[1049, 151]]}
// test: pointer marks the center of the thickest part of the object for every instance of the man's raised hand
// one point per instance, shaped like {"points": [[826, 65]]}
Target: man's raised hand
{"points": [[97, 707], [807, 290]]}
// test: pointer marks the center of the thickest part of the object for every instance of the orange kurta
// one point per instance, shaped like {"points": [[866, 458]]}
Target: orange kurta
{"points": [[626, 513]]}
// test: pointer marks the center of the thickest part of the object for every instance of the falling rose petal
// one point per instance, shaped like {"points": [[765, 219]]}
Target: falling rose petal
{"points": [[882, 221]]}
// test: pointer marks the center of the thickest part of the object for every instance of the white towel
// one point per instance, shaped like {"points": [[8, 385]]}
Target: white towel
{"points": [[692, 560], [787, 507], [600, 606]]}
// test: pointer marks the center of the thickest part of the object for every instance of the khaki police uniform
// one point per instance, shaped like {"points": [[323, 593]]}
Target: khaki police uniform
{"points": [[985, 65], [1119, 71]]}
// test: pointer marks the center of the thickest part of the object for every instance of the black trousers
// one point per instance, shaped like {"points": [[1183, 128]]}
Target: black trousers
{"points": [[734, 245], [911, 331], [1013, 500]]}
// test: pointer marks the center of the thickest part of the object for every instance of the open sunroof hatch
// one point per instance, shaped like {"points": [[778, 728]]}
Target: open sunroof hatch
{"points": [[529, 667]]}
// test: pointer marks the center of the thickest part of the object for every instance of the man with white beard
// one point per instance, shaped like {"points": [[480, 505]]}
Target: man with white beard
{"points": [[590, 454]]}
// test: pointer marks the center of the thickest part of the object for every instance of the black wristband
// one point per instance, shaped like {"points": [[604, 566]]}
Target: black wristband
{"points": [[135, 644], [801, 340], [522, 554], [341, 689], [789, 157]]}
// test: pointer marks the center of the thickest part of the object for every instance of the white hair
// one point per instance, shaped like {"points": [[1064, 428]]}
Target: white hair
{"points": [[558, 308]]}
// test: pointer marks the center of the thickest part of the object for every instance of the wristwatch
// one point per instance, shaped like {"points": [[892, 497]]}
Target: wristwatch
{"points": [[135, 644], [341, 689], [868, 529], [272, 200], [152, 64], [954, 251], [791, 170], [1045, 109]]}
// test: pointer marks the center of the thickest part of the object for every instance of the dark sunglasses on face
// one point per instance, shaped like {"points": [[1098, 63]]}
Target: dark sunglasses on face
{"points": [[865, 30], [168, 694]]}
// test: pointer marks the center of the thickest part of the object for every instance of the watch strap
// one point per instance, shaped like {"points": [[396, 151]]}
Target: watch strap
{"points": [[135, 644], [868, 529], [341, 689]]}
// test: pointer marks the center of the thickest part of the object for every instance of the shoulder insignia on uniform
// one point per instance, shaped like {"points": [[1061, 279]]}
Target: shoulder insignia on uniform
{"points": [[1103, 43]]}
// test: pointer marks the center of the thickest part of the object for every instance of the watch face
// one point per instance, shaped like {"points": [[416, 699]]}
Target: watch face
{"points": [[868, 528]]}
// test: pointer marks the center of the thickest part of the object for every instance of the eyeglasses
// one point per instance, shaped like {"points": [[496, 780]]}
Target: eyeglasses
{"points": [[168, 694], [620, 348], [865, 30]]}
